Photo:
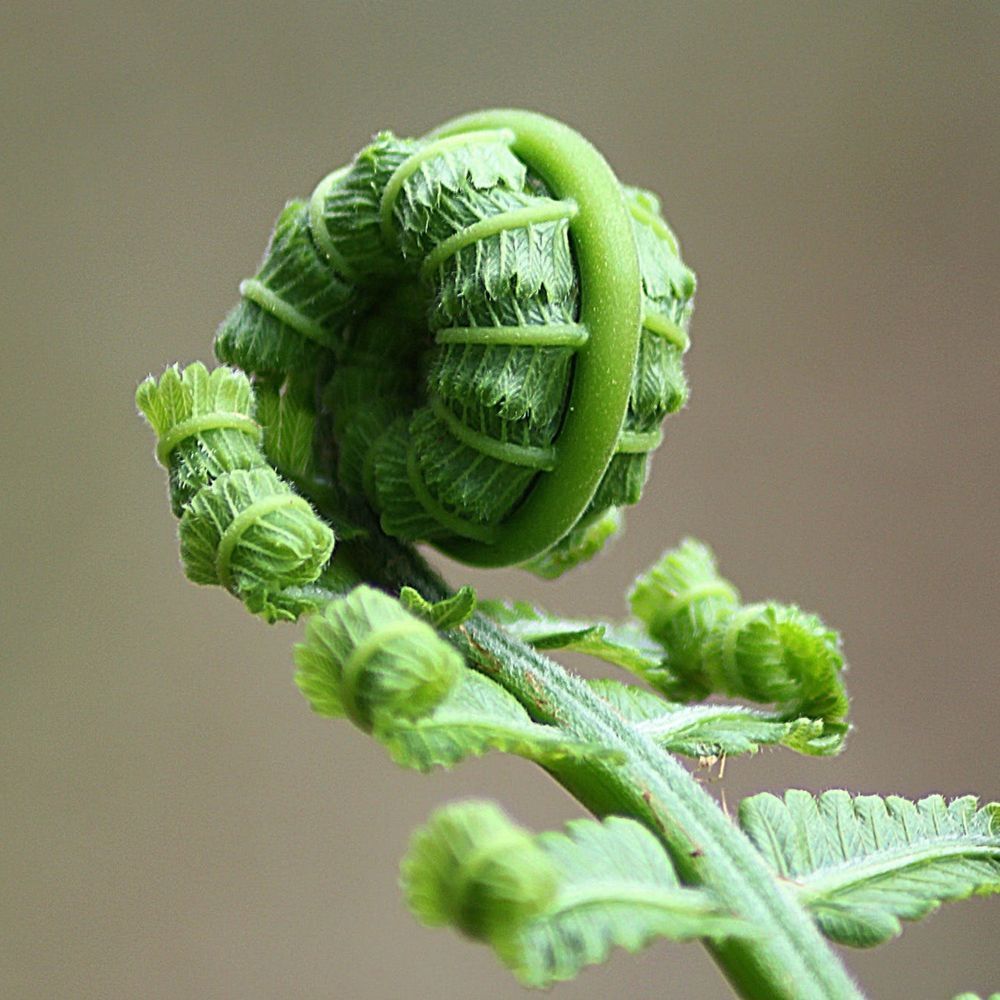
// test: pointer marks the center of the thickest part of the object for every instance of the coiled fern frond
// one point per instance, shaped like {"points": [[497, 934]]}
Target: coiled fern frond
{"points": [[765, 652], [366, 654], [498, 326]]}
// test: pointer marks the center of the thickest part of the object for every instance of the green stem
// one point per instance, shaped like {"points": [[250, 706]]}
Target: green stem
{"points": [[611, 314], [788, 959]]}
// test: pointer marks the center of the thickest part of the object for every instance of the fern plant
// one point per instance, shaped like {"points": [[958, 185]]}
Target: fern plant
{"points": [[471, 340]]}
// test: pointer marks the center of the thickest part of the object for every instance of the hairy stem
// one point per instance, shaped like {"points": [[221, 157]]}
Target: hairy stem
{"points": [[788, 959]]}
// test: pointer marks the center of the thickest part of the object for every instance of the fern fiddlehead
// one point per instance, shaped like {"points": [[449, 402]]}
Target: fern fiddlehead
{"points": [[505, 323], [365, 654]]}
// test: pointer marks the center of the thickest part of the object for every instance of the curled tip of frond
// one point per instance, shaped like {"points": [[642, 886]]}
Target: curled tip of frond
{"points": [[553, 903], [242, 526], [450, 417], [779, 653], [367, 657], [250, 533], [681, 599], [472, 868], [204, 423], [194, 392], [768, 652]]}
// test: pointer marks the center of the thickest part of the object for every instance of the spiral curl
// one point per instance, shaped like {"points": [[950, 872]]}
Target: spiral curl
{"points": [[252, 534], [366, 657], [766, 652], [205, 426], [242, 526], [504, 323], [472, 868], [778, 653]]}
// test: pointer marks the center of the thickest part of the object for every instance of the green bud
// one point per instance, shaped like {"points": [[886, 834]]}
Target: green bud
{"points": [[204, 423], [250, 533], [367, 657], [778, 653], [474, 869]]}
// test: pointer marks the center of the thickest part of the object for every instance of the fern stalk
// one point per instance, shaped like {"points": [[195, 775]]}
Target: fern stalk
{"points": [[788, 959]]}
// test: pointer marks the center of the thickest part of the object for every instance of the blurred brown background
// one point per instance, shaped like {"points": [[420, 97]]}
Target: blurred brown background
{"points": [[175, 823]]}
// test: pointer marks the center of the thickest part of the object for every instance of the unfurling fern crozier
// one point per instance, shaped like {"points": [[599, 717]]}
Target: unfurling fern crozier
{"points": [[497, 328]]}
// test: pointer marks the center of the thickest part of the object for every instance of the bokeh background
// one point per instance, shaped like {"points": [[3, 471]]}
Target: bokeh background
{"points": [[173, 820]]}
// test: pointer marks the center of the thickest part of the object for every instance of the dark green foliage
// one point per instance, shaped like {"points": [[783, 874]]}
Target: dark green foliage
{"points": [[393, 275], [292, 310]]}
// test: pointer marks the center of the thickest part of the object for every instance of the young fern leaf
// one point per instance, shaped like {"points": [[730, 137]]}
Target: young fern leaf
{"points": [[475, 336], [287, 413], [502, 324], [779, 654], [249, 532], [477, 717], [617, 888], [367, 657], [769, 653], [241, 525], [696, 731], [205, 425], [471, 868], [293, 444], [580, 545], [681, 600], [624, 644], [862, 863], [290, 312], [554, 903]]}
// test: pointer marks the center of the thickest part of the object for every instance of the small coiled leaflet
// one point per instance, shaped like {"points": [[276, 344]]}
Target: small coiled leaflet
{"points": [[242, 522], [766, 652], [205, 423], [241, 525], [473, 868], [196, 426], [366, 657]]}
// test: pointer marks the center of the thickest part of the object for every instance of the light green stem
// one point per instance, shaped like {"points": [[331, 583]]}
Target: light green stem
{"points": [[611, 313]]}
